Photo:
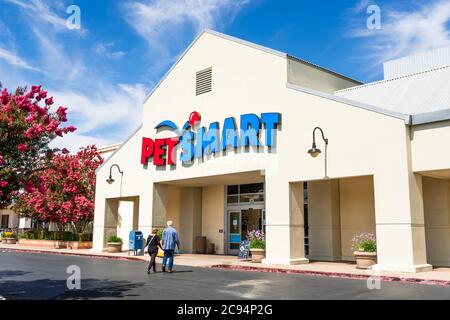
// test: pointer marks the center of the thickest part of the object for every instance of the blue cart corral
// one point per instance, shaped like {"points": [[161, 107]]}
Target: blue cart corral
{"points": [[136, 243]]}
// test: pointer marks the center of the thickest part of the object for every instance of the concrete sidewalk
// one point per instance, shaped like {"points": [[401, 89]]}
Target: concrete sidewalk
{"points": [[439, 276]]}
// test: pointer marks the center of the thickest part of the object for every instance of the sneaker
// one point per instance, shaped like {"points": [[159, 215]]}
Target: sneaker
{"points": [[171, 271], [148, 271], [163, 269]]}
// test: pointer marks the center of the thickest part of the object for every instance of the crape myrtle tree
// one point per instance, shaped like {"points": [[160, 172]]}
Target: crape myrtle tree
{"points": [[65, 191], [27, 126]]}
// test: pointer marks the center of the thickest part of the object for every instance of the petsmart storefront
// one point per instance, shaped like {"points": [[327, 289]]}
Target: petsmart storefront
{"points": [[237, 137]]}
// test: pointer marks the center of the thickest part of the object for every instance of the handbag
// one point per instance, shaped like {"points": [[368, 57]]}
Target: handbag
{"points": [[150, 242]]}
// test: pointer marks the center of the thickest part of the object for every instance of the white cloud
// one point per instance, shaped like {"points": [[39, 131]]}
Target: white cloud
{"points": [[41, 12], [116, 109], [105, 50], [162, 22], [15, 60], [407, 32]]}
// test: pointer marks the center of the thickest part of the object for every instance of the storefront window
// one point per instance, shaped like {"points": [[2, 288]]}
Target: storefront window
{"points": [[245, 193]]}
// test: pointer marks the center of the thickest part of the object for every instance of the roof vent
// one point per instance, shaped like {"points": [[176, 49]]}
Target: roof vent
{"points": [[203, 82]]}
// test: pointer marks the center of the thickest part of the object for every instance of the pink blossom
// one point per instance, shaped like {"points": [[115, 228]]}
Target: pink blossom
{"points": [[36, 89], [43, 94], [30, 118], [2, 161], [49, 101], [22, 147], [29, 186], [62, 113], [52, 126], [4, 184], [69, 129]]}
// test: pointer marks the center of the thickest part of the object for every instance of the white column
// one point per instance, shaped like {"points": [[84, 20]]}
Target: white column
{"points": [[190, 218], [401, 244], [284, 223], [147, 202], [324, 220]]}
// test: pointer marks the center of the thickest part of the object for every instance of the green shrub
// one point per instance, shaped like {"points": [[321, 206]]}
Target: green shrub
{"points": [[365, 242], [115, 239], [85, 237], [30, 235], [257, 244]]}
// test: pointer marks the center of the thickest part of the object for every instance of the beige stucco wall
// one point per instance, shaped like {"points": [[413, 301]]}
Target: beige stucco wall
{"points": [[249, 80], [357, 210], [13, 217], [213, 216], [436, 193], [428, 146], [173, 206]]}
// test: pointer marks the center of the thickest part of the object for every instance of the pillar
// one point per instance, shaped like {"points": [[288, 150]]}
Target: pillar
{"points": [[400, 230], [190, 218], [284, 222], [324, 220]]}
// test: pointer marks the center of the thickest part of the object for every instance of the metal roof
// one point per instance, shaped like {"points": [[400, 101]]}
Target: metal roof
{"points": [[419, 62], [413, 94]]}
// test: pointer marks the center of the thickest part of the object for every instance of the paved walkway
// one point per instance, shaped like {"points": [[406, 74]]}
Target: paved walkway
{"points": [[439, 276]]}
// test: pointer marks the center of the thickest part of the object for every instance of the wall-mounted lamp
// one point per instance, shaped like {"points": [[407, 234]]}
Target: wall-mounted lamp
{"points": [[314, 151], [110, 180]]}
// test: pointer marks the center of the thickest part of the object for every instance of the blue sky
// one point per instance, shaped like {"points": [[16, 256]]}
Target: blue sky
{"points": [[103, 71]]}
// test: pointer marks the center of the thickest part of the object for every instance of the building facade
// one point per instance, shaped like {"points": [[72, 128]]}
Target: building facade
{"points": [[225, 147]]}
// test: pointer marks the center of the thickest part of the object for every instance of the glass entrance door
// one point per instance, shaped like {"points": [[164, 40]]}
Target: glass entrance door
{"points": [[234, 231], [240, 221]]}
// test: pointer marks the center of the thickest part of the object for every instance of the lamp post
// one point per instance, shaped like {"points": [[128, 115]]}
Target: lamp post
{"points": [[314, 151], [110, 180]]}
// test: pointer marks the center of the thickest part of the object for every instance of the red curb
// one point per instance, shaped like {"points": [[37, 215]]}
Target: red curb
{"points": [[88, 255], [342, 275]]}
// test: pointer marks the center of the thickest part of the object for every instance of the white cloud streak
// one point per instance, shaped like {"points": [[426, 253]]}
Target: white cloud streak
{"points": [[406, 32], [41, 12], [15, 60], [117, 109], [161, 22]]}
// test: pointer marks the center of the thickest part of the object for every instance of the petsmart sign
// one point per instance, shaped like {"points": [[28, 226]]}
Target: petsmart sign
{"points": [[197, 143]]}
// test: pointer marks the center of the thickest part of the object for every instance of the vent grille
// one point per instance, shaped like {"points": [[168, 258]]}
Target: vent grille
{"points": [[203, 82]]}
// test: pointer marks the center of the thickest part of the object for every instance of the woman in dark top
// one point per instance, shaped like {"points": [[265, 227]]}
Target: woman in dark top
{"points": [[153, 242]]}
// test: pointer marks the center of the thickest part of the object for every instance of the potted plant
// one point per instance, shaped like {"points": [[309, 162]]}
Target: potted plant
{"points": [[10, 237], [114, 244], [364, 246], [257, 240], [2, 237]]}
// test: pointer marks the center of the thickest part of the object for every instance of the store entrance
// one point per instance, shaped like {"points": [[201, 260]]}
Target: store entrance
{"points": [[240, 222]]}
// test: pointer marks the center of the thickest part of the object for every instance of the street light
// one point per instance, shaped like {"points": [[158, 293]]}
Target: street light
{"points": [[110, 180], [314, 151]]}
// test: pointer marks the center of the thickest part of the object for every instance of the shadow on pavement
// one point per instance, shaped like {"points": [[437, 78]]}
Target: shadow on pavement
{"points": [[12, 273], [43, 289]]}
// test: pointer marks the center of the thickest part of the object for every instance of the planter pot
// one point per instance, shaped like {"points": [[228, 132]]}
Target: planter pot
{"points": [[365, 260], [114, 247], [4, 240], [10, 241], [258, 255]]}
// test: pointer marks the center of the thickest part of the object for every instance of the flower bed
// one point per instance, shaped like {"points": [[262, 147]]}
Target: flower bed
{"points": [[56, 244]]}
